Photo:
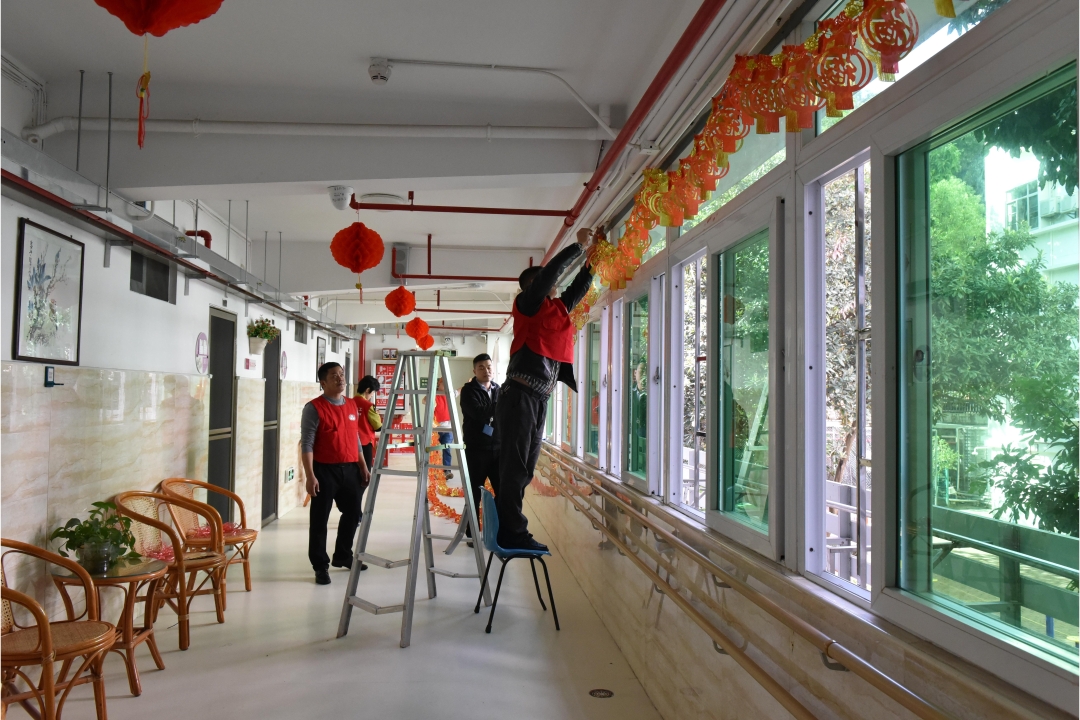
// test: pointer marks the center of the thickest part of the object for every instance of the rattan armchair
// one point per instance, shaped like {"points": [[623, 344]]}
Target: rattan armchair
{"points": [[184, 564], [238, 537], [82, 638]]}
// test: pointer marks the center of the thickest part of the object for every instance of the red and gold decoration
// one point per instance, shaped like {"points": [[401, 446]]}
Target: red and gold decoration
{"points": [[401, 302], [437, 486], [825, 72], [416, 329], [357, 248], [155, 17]]}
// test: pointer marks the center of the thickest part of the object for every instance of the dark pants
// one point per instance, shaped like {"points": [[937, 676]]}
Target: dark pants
{"points": [[519, 420], [483, 464], [340, 484]]}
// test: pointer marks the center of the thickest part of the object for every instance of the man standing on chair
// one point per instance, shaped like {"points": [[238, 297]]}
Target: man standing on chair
{"points": [[478, 399], [541, 355], [335, 468]]}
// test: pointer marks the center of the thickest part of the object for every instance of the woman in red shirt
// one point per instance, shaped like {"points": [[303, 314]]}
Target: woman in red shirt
{"points": [[365, 402]]}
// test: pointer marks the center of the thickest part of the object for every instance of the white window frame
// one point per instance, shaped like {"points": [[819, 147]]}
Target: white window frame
{"points": [[611, 390], [653, 288]]}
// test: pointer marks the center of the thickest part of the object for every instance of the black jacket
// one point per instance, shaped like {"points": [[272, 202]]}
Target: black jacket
{"points": [[478, 410], [527, 362]]}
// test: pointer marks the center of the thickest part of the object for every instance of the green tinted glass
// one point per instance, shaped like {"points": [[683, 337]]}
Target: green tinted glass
{"points": [[637, 374]]}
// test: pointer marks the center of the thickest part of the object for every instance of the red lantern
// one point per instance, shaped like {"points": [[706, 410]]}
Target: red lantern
{"points": [[889, 28], [425, 342], [401, 302], [841, 69], [800, 102], [156, 17], [358, 248], [765, 94], [416, 328]]}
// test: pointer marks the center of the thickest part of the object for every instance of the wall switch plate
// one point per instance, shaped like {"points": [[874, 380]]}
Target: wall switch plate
{"points": [[290, 474], [50, 377]]}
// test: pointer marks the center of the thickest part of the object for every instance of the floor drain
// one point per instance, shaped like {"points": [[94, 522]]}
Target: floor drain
{"points": [[601, 693]]}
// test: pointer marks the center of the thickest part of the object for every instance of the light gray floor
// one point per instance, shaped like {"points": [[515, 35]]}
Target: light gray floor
{"points": [[276, 655]]}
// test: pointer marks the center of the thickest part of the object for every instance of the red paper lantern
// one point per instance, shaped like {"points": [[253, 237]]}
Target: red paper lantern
{"points": [[416, 328], [425, 342], [889, 28], [401, 302], [765, 94], [841, 69], [800, 102], [357, 248]]}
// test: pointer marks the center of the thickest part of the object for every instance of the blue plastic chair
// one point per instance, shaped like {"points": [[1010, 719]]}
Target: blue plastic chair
{"points": [[490, 535]]}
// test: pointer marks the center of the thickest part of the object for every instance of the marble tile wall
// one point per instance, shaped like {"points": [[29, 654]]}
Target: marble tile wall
{"points": [[248, 432], [99, 433], [294, 395], [686, 678]]}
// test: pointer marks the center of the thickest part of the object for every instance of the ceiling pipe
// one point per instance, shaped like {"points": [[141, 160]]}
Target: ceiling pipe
{"points": [[460, 209], [467, 278], [204, 234], [36, 133], [463, 312], [700, 23]]}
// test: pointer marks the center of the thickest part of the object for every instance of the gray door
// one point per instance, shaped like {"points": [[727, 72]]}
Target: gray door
{"points": [[222, 407], [271, 405]]}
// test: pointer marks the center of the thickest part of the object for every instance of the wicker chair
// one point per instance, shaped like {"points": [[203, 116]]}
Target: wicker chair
{"points": [[45, 643], [238, 538], [184, 564]]}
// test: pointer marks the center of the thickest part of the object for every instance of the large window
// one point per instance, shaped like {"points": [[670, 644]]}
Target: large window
{"points": [[592, 389], [757, 155], [744, 381], [691, 491], [567, 397], [988, 383], [637, 391], [152, 277]]}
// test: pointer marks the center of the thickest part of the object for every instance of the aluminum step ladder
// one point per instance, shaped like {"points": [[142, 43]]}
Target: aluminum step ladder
{"points": [[406, 384]]}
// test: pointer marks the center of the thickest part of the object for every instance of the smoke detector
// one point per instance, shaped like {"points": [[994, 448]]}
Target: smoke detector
{"points": [[379, 71], [340, 196]]}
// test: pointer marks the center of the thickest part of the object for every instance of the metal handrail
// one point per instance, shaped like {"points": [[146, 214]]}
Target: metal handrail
{"points": [[830, 649]]}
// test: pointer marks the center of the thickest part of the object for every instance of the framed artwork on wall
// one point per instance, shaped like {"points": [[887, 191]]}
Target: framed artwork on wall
{"points": [[320, 353], [389, 353], [48, 296]]}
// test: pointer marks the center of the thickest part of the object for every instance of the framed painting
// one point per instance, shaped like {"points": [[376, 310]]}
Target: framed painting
{"points": [[48, 296]]}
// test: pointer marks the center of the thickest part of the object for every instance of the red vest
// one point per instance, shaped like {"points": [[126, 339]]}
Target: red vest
{"points": [[548, 333], [367, 433], [339, 426], [442, 410]]}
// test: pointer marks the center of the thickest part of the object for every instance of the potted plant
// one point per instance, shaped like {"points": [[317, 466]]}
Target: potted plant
{"points": [[99, 540], [259, 333]]}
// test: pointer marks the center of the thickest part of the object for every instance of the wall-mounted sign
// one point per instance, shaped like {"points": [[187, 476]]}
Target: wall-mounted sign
{"points": [[284, 365], [384, 373], [202, 354]]}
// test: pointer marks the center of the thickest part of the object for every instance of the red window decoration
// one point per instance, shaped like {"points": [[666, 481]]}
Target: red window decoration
{"points": [[841, 69], [890, 29], [765, 94], [401, 302], [357, 248], [800, 102]]}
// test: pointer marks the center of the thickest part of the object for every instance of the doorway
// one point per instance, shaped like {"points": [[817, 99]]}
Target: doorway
{"points": [[222, 408], [271, 408]]}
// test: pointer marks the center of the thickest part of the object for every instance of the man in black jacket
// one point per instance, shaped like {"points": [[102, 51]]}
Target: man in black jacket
{"points": [[478, 398], [541, 356]]}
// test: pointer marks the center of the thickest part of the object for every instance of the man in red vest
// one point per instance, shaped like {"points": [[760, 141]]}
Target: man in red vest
{"points": [[541, 355], [335, 467]]}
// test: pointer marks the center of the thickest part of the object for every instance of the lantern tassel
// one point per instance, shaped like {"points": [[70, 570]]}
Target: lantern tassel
{"points": [[142, 91], [360, 287], [945, 8]]}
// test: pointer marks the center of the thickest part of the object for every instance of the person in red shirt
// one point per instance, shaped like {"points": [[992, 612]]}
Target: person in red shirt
{"points": [[365, 402], [335, 468], [442, 421]]}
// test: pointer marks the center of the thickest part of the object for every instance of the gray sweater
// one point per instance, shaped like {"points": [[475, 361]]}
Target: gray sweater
{"points": [[309, 425]]}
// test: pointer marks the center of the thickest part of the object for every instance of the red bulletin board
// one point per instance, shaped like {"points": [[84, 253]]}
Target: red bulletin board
{"points": [[384, 373]]}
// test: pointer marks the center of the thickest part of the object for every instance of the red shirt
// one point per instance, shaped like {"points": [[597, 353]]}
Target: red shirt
{"points": [[442, 410], [367, 433], [339, 427], [548, 333]]}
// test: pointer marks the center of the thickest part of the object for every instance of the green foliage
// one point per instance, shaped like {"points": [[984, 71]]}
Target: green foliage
{"points": [[103, 526], [1050, 495], [944, 456], [263, 328]]}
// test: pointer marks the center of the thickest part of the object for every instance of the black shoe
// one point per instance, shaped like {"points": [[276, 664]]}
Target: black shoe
{"points": [[539, 544], [347, 565], [526, 544], [322, 577]]}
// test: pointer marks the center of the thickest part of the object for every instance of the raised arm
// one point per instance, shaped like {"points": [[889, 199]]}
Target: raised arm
{"points": [[530, 299]]}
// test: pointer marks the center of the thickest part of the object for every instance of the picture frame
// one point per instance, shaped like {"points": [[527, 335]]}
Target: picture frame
{"points": [[389, 354], [320, 353], [48, 296]]}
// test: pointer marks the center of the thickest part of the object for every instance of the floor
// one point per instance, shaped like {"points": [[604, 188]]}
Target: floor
{"points": [[276, 655]]}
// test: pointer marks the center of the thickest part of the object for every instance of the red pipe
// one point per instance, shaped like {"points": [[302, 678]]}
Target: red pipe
{"points": [[457, 209], [204, 234], [472, 278], [463, 312], [691, 36]]}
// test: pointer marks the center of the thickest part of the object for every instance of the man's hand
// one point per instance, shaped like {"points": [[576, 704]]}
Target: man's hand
{"points": [[365, 474], [312, 485], [584, 237]]}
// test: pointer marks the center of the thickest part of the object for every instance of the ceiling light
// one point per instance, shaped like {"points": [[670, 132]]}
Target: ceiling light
{"points": [[379, 71], [382, 199]]}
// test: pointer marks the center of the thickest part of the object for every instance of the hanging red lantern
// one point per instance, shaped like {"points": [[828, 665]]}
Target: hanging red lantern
{"points": [[765, 94], [841, 69], [889, 28], [155, 17], [425, 342], [357, 248], [800, 102], [416, 328], [401, 302]]}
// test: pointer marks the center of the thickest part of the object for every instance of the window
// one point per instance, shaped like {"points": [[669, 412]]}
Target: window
{"points": [[693, 305], [988, 378], [592, 388], [566, 418], [549, 423], [152, 277], [1023, 206], [843, 500], [637, 392], [744, 381], [300, 333], [334, 343], [757, 155], [935, 34]]}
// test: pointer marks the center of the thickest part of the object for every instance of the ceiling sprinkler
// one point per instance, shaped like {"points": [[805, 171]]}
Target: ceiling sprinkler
{"points": [[379, 71]]}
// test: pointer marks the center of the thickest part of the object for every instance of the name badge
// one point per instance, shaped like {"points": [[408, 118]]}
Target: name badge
{"points": [[488, 430], [352, 417]]}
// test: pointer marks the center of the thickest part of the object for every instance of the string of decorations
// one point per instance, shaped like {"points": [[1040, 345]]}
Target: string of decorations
{"points": [[825, 72], [437, 486]]}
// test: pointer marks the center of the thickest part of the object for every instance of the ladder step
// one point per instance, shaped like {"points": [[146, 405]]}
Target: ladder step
{"points": [[438, 537], [396, 446], [447, 573], [359, 602], [383, 562], [396, 473], [443, 467], [449, 446]]}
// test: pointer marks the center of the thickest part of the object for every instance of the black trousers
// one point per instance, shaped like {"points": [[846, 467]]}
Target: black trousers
{"points": [[483, 463], [338, 483], [519, 419]]}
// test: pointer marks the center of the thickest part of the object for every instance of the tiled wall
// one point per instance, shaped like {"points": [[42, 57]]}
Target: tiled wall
{"points": [[248, 467], [686, 678], [294, 395]]}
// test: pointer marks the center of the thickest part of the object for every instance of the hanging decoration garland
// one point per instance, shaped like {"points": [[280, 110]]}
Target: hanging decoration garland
{"points": [[823, 73], [437, 486], [401, 302], [155, 17], [357, 248]]}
